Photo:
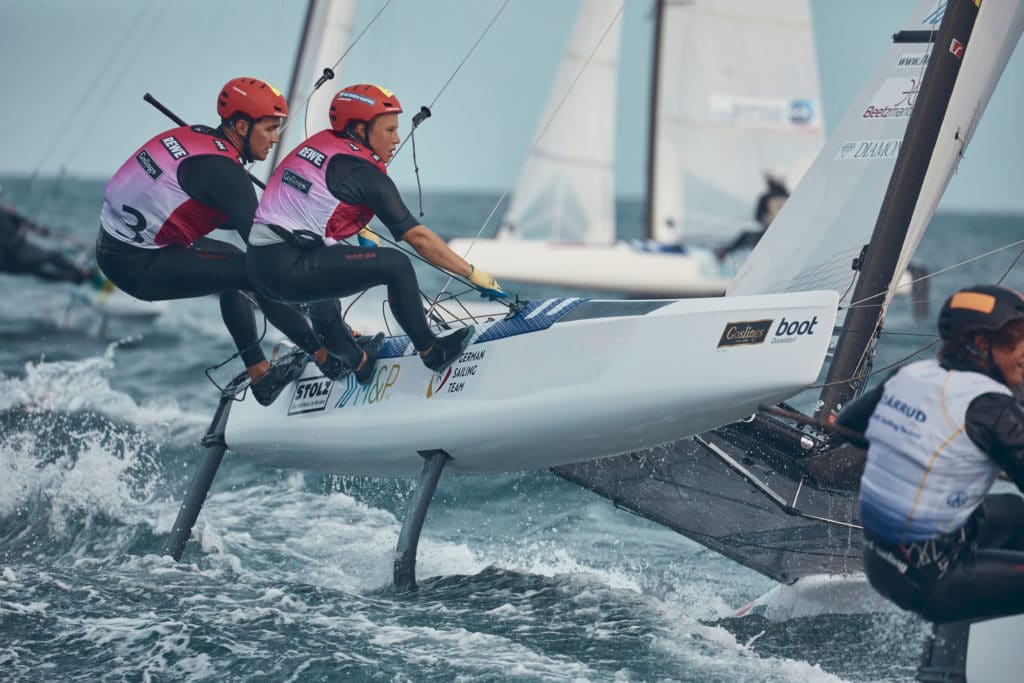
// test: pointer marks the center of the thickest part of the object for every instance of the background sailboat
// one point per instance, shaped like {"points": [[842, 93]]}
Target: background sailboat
{"points": [[781, 499], [734, 94]]}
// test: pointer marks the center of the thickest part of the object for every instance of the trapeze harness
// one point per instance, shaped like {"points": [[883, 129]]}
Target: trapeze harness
{"points": [[153, 240], [923, 500], [295, 254]]}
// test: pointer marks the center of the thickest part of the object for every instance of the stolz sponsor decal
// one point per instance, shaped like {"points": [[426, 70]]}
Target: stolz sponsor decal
{"points": [[458, 376], [745, 333], [173, 147], [894, 99], [789, 331], [868, 149], [296, 181], [148, 165], [313, 156], [377, 390], [310, 395]]}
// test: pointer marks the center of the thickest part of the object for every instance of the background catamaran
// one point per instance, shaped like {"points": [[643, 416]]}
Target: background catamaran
{"points": [[782, 499], [734, 94]]}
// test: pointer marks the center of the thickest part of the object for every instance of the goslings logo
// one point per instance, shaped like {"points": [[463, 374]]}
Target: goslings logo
{"points": [[745, 333], [310, 395]]}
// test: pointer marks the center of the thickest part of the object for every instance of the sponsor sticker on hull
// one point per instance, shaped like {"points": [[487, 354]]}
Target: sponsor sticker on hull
{"points": [[459, 376], [789, 331], [310, 395], [745, 333]]}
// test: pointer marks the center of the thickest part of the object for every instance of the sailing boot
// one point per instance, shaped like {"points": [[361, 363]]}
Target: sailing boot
{"points": [[333, 368], [447, 349], [282, 372], [371, 349]]}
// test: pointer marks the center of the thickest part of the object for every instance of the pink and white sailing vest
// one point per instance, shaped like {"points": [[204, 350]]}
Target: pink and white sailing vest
{"points": [[297, 198], [143, 203]]}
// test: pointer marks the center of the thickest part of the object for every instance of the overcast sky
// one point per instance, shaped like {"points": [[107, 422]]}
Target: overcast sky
{"points": [[73, 74]]}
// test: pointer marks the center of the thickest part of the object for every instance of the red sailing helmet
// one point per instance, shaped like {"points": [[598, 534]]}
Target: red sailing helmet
{"points": [[361, 102], [252, 97]]}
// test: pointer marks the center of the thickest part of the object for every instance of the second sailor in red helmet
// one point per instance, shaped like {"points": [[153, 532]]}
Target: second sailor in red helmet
{"points": [[177, 188], [327, 189]]}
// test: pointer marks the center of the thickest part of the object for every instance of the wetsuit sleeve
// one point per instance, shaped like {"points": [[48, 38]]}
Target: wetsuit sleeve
{"points": [[223, 184], [995, 423], [357, 181], [857, 412]]}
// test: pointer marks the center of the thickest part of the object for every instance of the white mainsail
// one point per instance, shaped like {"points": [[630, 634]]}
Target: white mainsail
{"points": [[737, 96], [566, 188], [842, 193], [843, 190]]}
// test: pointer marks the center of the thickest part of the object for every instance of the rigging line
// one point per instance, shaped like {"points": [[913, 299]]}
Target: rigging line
{"points": [[305, 111], [876, 371], [948, 268], [554, 114], [457, 69], [540, 136]]}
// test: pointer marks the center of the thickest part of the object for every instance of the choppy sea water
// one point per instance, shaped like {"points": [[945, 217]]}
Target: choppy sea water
{"points": [[523, 577]]}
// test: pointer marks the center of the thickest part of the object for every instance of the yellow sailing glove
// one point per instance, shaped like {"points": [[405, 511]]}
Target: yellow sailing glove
{"points": [[368, 238], [486, 284]]}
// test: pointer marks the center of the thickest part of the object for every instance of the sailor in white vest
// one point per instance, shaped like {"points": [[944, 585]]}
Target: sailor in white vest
{"points": [[940, 431]]}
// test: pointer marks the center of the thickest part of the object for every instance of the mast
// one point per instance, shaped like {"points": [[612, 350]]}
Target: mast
{"points": [[856, 343], [652, 127], [300, 57]]}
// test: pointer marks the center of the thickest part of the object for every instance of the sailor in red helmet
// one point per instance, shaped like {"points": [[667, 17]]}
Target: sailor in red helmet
{"points": [[177, 188], [327, 189]]}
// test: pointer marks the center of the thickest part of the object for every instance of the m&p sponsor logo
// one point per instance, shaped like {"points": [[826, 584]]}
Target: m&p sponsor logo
{"points": [[310, 395], [745, 333], [377, 390]]}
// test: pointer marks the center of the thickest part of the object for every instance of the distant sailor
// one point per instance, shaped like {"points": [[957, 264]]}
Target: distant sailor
{"points": [[177, 188], [936, 542], [20, 256], [327, 189], [768, 206]]}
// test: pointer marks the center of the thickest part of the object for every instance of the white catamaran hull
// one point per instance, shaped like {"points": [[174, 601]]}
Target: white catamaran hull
{"points": [[564, 380], [616, 267]]}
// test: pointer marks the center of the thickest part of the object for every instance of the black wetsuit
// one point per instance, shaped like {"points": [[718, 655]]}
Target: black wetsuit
{"points": [[316, 273], [18, 255], [209, 266], [976, 572]]}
